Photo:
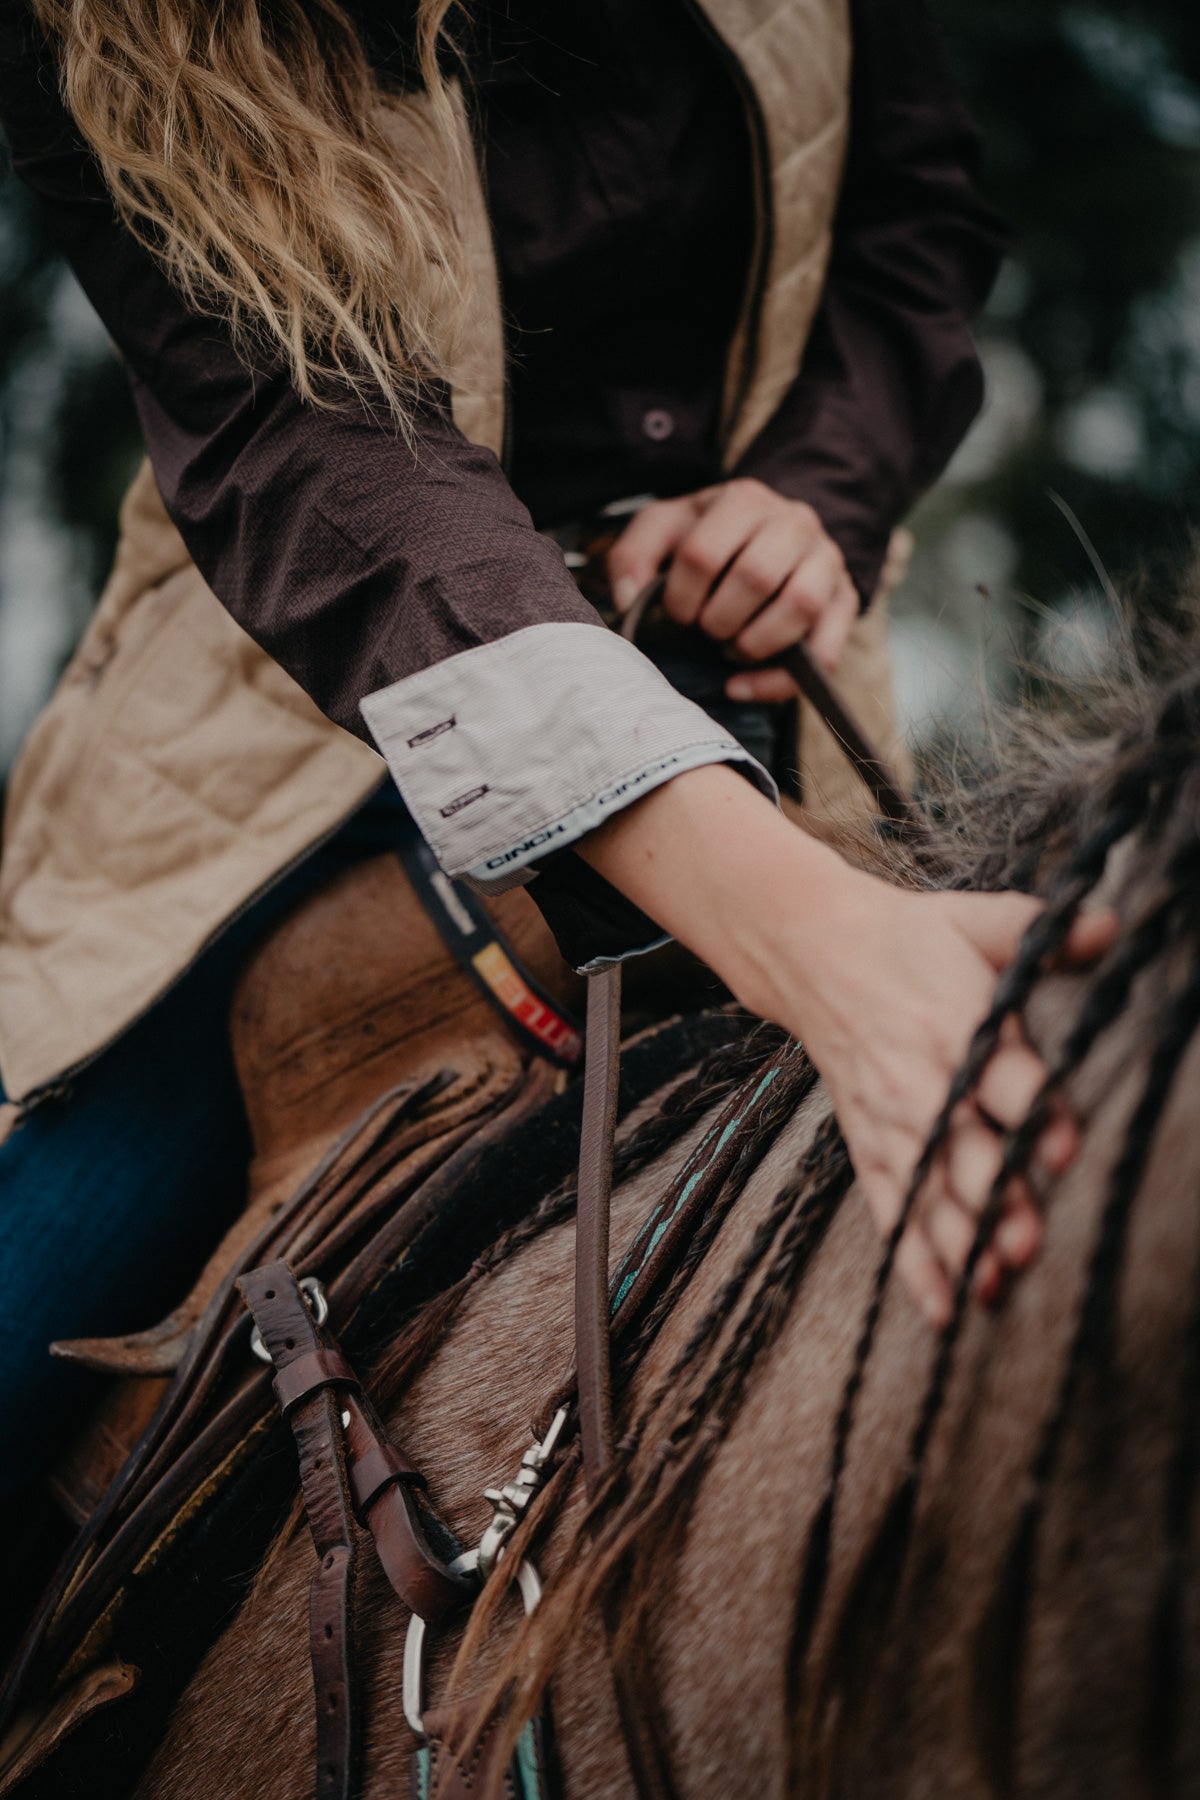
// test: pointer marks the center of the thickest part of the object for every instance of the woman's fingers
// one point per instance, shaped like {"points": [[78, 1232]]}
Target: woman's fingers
{"points": [[918, 1267], [812, 585], [828, 636], [993, 923], [771, 686], [917, 1262], [1010, 1084], [741, 559], [646, 543], [1092, 933], [996, 923], [972, 1159], [949, 1226], [767, 564], [721, 533]]}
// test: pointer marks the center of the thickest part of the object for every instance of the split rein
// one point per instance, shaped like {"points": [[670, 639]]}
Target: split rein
{"points": [[350, 1472]]}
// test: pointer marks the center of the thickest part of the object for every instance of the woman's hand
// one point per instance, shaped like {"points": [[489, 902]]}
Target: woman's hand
{"points": [[887, 1009], [750, 568], [884, 987]]}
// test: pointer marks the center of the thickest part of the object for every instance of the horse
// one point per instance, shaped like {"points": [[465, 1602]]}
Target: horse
{"points": [[837, 1552]]}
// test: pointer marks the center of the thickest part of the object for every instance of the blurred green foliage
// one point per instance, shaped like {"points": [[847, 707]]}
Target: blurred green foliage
{"points": [[1090, 116]]}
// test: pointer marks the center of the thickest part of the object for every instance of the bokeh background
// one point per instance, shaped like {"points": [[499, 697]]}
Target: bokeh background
{"points": [[1083, 468]]}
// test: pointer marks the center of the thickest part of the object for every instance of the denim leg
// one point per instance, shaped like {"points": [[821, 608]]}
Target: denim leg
{"points": [[112, 1197]]}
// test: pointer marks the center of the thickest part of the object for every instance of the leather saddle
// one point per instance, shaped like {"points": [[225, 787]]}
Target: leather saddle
{"points": [[352, 996]]}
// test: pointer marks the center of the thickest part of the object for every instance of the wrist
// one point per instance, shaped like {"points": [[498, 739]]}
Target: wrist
{"points": [[719, 867]]}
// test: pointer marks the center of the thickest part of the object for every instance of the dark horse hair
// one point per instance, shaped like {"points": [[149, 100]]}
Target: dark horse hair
{"points": [[1130, 779]]}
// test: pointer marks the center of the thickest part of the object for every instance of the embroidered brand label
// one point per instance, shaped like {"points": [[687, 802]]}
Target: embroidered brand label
{"points": [[467, 799], [608, 795], [532, 843], [432, 731]]}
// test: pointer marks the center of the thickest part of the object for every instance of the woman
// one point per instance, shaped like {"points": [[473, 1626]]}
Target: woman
{"points": [[276, 207]]}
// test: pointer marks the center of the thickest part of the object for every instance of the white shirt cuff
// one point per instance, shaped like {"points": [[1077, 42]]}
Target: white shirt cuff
{"points": [[510, 751]]}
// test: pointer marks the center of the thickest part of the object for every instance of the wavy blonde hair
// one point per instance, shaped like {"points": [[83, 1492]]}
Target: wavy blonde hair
{"points": [[251, 147]]}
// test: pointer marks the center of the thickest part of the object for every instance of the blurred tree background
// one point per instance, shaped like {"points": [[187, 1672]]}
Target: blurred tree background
{"points": [[1090, 116], [1091, 122]]}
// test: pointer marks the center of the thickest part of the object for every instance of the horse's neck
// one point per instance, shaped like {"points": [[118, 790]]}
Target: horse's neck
{"points": [[721, 1623]]}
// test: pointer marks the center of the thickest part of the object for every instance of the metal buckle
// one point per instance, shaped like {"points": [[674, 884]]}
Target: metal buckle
{"points": [[512, 1500], [318, 1306], [413, 1689]]}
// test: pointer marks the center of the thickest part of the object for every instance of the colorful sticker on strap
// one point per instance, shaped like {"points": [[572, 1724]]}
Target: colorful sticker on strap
{"points": [[549, 1027]]}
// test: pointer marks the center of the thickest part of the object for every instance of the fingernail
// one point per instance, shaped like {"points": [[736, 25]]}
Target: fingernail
{"points": [[625, 592], [1017, 1239], [739, 688], [1058, 1145], [988, 1278]]}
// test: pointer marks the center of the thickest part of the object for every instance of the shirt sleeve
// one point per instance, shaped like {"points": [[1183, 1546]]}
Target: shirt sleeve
{"points": [[401, 584], [891, 378]]}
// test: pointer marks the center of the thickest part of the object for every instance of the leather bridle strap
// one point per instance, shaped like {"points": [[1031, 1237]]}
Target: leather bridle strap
{"points": [[891, 796], [311, 1385], [592, 1349], [348, 1469]]}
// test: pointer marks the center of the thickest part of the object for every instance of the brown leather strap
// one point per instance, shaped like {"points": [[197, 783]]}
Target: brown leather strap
{"points": [[335, 1691], [891, 796], [600, 1086], [316, 1369], [380, 1464], [392, 1513], [592, 1329], [290, 1335]]}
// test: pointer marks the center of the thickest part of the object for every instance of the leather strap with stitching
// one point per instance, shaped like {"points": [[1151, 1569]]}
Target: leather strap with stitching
{"points": [[316, 1388], [592, 1352], [347, 1465]]}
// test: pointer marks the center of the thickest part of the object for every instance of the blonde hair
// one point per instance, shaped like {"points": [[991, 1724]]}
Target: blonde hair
{"points": [[251, 147]]}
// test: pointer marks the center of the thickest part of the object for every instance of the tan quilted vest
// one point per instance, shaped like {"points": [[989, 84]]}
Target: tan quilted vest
{"points": [[178, 770]]}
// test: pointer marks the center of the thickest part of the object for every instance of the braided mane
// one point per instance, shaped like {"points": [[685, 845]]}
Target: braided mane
{"points": [[1100, 796]]}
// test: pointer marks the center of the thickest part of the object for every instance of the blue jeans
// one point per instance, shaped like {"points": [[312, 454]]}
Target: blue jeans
{"points": [[112, 1196]]}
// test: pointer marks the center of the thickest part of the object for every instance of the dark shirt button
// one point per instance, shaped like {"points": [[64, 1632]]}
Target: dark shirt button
{"points": [[658, 425]]}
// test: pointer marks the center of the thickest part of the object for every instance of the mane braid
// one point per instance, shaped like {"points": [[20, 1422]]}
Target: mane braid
{"points": [[787, 1094], [875, 1586], [596, 1567], [1001, 1637], [1041, 942], [1168, 1649]]}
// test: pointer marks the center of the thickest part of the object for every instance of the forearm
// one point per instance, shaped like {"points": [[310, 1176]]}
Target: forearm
{"points": [[710, 859], [884, 987]]}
